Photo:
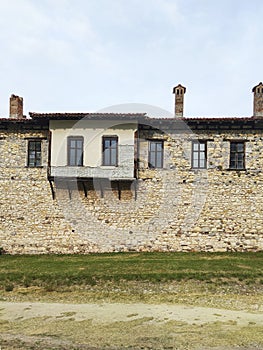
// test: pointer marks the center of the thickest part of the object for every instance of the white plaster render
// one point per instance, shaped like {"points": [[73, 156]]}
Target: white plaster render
{"points": [[92, 132]]}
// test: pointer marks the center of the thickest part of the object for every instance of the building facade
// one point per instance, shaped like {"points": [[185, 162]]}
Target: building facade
{"points": [[94, 182]]}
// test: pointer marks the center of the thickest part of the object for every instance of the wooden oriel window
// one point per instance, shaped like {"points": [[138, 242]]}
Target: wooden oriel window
{"points": [[199, 154], [237, 155], [75, 151], [110, 150], [155, 154]]}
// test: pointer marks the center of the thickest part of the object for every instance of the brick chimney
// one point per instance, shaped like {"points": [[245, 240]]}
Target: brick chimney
{"points": [[258, 100], [179, 92], [16, 107]]}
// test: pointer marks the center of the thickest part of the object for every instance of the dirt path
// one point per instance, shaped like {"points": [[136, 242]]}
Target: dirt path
{"points": [[36, 325], [117, 312]]}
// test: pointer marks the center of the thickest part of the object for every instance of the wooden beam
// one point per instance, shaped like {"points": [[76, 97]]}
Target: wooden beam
{"points": [[85, 189], [69, 190], [119, 190], [101, 189], [52, 190]]}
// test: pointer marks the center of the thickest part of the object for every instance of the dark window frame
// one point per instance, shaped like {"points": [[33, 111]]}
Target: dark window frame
{"points": [[153, 162], [199, 151], [235, 153], [76, 161], [113, 158], [36, 152]]}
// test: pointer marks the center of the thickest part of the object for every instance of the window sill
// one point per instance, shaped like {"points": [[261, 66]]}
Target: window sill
{"points": [[109, 166], [234, 169], [198, 168], [34, 167], [156, 168]]}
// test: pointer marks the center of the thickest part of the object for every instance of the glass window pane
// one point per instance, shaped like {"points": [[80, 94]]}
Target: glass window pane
{"points": [[202, 163], [195, 155], [240, 156], [199, 155], [202, 155], [233, 157], [232, 147], [72, 143], [240, 147], [106, 143], [155, 154], [202, 146], [79, 157], [152, 160], [195, 146], [159, 160], [79, 144], [110, 149], [159, 146], [75, 151], [34, 153], [107, 157], [72, 160], [232, 164], [31, 145], [152, 146], [113, 143], [237, 155], [240, 165], [114, 156], [195, 163]]}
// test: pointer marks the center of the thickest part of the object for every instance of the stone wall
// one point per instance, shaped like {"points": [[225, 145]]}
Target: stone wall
{"points": [[214, 209], [30, 221], [171, 209]]}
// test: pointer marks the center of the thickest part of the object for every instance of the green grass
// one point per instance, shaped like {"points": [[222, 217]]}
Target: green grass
{"points": [[69, 270]]}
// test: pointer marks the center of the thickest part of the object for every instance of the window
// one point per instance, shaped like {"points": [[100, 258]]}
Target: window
{"points": [[155, 155], [110, 150], [34, 153], [237, 155], [199, 154], [75, 150]]}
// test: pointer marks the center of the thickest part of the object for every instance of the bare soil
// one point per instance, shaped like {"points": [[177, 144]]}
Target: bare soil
{"points": [[135, 315], [37, 325]]}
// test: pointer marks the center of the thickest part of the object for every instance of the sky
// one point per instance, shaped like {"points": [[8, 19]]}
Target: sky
{"points": [[89, 55]]}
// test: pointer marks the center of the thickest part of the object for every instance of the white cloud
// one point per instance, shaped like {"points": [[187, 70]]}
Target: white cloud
{"points": [[170, 9], [45, 34]]}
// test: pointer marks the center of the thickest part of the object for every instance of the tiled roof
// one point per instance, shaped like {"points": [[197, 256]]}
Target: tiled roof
{"points": [[219, 119], [131, 116], [78, 116], [139, 117], [19, 120]]}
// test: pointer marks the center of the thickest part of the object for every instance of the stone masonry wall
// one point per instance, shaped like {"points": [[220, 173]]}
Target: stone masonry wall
{"points": [[176, 208], [30, 221]]}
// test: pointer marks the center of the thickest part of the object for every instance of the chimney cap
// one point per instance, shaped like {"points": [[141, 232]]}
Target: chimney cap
{"points": [[179, 86], [254, 88]]}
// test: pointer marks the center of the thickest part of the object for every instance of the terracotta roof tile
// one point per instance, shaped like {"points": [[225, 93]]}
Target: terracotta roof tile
{"points": [[78, 116]]}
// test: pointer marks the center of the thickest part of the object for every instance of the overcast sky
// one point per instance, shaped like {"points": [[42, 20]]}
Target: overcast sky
{"points": [[86, 55]]}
